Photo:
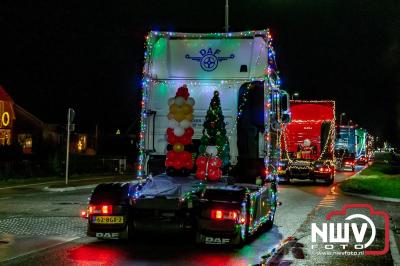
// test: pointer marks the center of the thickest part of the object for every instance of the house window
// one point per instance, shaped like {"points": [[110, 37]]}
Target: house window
{"points": [[5, 136], [25, 140], [81, 144]]}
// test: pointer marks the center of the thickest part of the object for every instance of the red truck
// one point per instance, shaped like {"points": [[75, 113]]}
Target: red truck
{"points": [[307, 142]]}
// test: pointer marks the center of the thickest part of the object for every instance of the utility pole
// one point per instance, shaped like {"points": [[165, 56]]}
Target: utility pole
{"points": [[340, 121], [71, 116], [226, 16]]}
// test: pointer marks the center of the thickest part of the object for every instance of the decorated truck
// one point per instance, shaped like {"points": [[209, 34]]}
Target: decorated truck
{"points": [[351, 147], [345, 147], [308, 142], [361, 146], [212, 112]]}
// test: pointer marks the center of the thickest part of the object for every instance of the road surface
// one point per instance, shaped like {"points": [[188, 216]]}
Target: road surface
{"points": [[43, 228]]}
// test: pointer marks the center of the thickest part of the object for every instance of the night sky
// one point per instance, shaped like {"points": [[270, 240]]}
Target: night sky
{"points": [[88, 55]]}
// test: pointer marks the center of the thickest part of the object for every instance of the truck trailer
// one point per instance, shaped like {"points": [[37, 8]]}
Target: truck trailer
{"points": [[241, 68], [307, 142]]}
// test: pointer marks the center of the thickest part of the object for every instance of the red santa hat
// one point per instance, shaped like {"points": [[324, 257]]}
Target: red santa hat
{"points": [[183, 92]]}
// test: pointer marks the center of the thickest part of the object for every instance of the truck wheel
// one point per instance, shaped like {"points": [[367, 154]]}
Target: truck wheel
{"points": [[242, 237], [198, 238], [130, 228], [269, 223], [353, 169]]}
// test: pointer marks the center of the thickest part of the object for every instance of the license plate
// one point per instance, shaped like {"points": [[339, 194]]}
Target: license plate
{"points": [[108, 219]]}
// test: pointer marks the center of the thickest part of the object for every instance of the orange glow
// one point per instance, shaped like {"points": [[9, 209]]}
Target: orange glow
{"points": [[234, 215], [106, 209], [224, 214]]}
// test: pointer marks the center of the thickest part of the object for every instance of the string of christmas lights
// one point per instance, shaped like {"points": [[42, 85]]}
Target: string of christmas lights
{"points": [[331, 133], [271, 82]]}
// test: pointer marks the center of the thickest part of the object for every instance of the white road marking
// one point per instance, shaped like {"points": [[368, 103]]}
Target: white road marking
{"points": [[40, 249]]}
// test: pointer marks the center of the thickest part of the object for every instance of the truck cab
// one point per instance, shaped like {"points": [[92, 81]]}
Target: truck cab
{"points": [[307, 142]]}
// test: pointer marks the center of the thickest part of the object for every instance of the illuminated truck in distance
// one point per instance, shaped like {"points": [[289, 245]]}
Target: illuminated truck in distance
{"points": [[351, 147], [361, 146], [345, 147], [307, 142]]}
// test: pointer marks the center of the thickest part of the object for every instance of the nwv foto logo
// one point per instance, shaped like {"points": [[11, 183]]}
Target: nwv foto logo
{"points": [[209, 59], [338, 233]]}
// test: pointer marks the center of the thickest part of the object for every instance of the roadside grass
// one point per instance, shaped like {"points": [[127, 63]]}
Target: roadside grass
{"points": [[379, 179]]}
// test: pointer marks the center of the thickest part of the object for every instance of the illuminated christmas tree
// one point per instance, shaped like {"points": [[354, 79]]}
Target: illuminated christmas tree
{"points": [[214, 132]]}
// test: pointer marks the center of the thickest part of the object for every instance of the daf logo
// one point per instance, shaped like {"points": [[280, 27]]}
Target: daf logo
{"points": [[217, 240], [308, 128], [107, 235], [209, 59]]}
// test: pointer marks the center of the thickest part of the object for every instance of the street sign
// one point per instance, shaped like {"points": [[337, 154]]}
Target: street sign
{"points": [[71, 115]]}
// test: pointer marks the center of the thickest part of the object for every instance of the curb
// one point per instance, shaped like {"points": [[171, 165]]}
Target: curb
{"points": [[57, 181], [64, 189], [371, 197]]}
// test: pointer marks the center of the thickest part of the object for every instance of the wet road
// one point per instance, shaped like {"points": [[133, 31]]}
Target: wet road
{"points": [[41, 228]]}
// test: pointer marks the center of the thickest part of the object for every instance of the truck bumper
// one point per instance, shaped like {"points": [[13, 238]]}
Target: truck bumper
{"points": [[108, 231], [319, 175], [218, 233], [299, 173]]}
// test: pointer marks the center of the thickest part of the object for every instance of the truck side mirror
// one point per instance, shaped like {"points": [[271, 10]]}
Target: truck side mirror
{"points": [[285, 118], [285, 107], [285, 103]]}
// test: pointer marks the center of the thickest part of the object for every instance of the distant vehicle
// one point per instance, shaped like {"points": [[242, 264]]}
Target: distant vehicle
{"points": [[361, 144], [363, 160], [307, 142], [348, 161]]}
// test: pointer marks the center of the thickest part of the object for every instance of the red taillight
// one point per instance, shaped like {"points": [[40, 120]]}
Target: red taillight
{"points": [[83, 214], [217, 214], [103, 209], [279, 168], [224, 215], [106, 209], [324, 169]]}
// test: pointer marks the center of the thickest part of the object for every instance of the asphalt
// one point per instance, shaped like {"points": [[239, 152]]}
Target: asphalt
{"points": [[43, 228]]}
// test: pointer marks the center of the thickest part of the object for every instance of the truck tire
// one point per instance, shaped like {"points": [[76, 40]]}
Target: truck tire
{"points": [[131, 227], [269, 223]]}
